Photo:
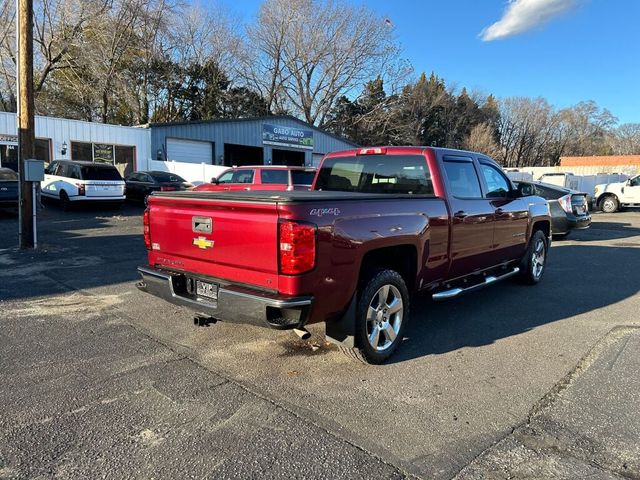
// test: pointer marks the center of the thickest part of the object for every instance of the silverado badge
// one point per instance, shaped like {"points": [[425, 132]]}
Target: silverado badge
{"points": [[203, 243]]}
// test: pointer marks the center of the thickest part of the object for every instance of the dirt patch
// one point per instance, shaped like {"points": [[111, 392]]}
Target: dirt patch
{"points": [[294, 347], [75, 304]]}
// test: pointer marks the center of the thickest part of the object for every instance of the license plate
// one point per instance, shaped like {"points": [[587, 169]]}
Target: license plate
{"points": [[206, 289], [107, 188]]}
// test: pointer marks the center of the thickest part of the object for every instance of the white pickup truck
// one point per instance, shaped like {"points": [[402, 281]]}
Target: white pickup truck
{"points": [[609, 197]]}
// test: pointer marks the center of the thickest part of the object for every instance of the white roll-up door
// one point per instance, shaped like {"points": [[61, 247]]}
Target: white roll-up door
{"points": [[189, 151]]}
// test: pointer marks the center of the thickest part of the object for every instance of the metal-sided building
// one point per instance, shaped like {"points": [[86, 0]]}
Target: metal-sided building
{"points": [[195, 150], [64, 139], [274, 140]]}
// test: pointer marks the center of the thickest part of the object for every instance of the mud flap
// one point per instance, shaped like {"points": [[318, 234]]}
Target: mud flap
{"points": [[342, 331]]}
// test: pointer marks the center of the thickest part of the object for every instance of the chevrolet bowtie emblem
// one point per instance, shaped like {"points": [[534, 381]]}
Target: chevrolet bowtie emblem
{"points": [[203, 243]]}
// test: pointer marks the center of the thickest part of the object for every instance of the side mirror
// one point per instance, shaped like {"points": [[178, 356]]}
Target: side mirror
{"points": [[214, 180]]}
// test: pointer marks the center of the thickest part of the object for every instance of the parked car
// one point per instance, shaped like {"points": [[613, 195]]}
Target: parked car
{"points": [[610, 197], [8, 188], [71, 182], [378, 225], [142, 184], [569, 208], [262, 177]]}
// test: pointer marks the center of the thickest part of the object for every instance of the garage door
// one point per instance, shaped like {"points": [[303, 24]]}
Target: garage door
{"points": [[189, 151]]}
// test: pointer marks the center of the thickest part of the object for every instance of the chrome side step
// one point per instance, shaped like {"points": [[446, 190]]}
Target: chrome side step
{"points": [[454, 292]]}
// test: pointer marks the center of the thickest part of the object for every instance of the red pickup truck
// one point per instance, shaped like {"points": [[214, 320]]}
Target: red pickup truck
{"points": [[379, 225], [261, 177]]}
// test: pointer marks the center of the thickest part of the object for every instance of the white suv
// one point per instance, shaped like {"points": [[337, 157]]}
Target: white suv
{"points": [[70, 182]]}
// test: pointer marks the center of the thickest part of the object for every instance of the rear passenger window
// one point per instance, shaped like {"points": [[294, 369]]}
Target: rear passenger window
{"points": [[497, 185], [275, 177], [463, 179]]}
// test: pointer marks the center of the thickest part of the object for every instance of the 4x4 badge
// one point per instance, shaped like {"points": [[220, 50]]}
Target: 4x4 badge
{"points": [[202, 243]]}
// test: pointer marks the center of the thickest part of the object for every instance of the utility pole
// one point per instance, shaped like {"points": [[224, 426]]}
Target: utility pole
{"points": [[25, 114]]}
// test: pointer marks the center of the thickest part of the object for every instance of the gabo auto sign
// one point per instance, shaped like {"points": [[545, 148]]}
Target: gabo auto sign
{"points": [[287, 136]]}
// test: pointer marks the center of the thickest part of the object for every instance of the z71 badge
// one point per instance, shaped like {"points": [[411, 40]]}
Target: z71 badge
{"points": [[202, 243]]}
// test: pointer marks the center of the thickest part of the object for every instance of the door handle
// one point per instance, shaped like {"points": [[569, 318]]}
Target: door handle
{"points": [[460, 214]]}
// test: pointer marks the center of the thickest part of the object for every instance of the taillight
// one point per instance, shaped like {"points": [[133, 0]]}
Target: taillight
{"points": [[167, 188], [297, 247], [146, 229], [565, 203], [372, 151], [81, 188]]}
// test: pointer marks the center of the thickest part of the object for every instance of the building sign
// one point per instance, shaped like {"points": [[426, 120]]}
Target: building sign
{"points": [[9, 138], [287, 136], [103, 153]]}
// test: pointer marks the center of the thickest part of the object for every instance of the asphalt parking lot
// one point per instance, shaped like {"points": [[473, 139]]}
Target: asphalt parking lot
{"points": [[98, 380]]}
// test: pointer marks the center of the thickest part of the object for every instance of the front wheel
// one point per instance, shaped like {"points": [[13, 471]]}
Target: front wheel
{"points": [[534, 261], [381, 316]]}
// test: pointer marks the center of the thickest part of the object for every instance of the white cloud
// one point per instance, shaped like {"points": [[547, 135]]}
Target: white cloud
{"points": [[523, 15]]}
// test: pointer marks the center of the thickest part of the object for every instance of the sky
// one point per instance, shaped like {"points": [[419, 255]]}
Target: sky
{"points": [[564, 50]]}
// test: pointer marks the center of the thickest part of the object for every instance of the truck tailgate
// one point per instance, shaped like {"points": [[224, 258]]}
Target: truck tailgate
{"points": [[228, 240]]}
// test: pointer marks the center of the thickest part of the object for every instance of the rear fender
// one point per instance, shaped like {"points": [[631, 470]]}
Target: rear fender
{"points": [[538, 214]]}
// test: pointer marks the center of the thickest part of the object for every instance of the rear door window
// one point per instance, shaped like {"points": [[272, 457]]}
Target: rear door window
{"points": [[275, 177], [394, 174], [550, 193], [462, 179], [100, 173]]}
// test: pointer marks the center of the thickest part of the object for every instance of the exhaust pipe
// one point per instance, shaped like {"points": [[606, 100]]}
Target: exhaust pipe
{"points": [[203, 321], [303, 333]]}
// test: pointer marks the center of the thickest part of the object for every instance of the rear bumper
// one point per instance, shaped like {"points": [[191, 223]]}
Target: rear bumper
{"points": [[235, 303], [88, 199], [579, 222]]}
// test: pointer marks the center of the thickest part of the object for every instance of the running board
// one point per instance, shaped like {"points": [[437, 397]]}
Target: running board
{"points": [[454, 292]]}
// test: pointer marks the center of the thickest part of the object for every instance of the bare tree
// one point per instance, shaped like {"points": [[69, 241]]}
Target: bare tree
{"points": [[7, 55], [305, 54], [626, 139], [526, 129], [482, 139]]}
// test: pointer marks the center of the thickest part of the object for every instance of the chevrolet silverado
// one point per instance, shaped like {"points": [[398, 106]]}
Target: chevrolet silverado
{"points": [[378, 225]]}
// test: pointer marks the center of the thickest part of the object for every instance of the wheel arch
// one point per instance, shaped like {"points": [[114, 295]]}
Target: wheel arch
{"points": [[402, 258]]}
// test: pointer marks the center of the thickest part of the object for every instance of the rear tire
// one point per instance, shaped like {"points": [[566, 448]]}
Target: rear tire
{"points": [[609, 204], [65, 203], [381, 316], [533, 263]]}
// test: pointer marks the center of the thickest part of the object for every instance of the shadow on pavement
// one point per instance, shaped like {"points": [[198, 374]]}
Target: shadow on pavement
{"points": [[605, 231], [79, 249], [578, 279]]}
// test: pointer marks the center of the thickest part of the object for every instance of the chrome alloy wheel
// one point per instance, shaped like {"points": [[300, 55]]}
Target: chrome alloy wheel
{"points": [[538, 258], [384, 317]]}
